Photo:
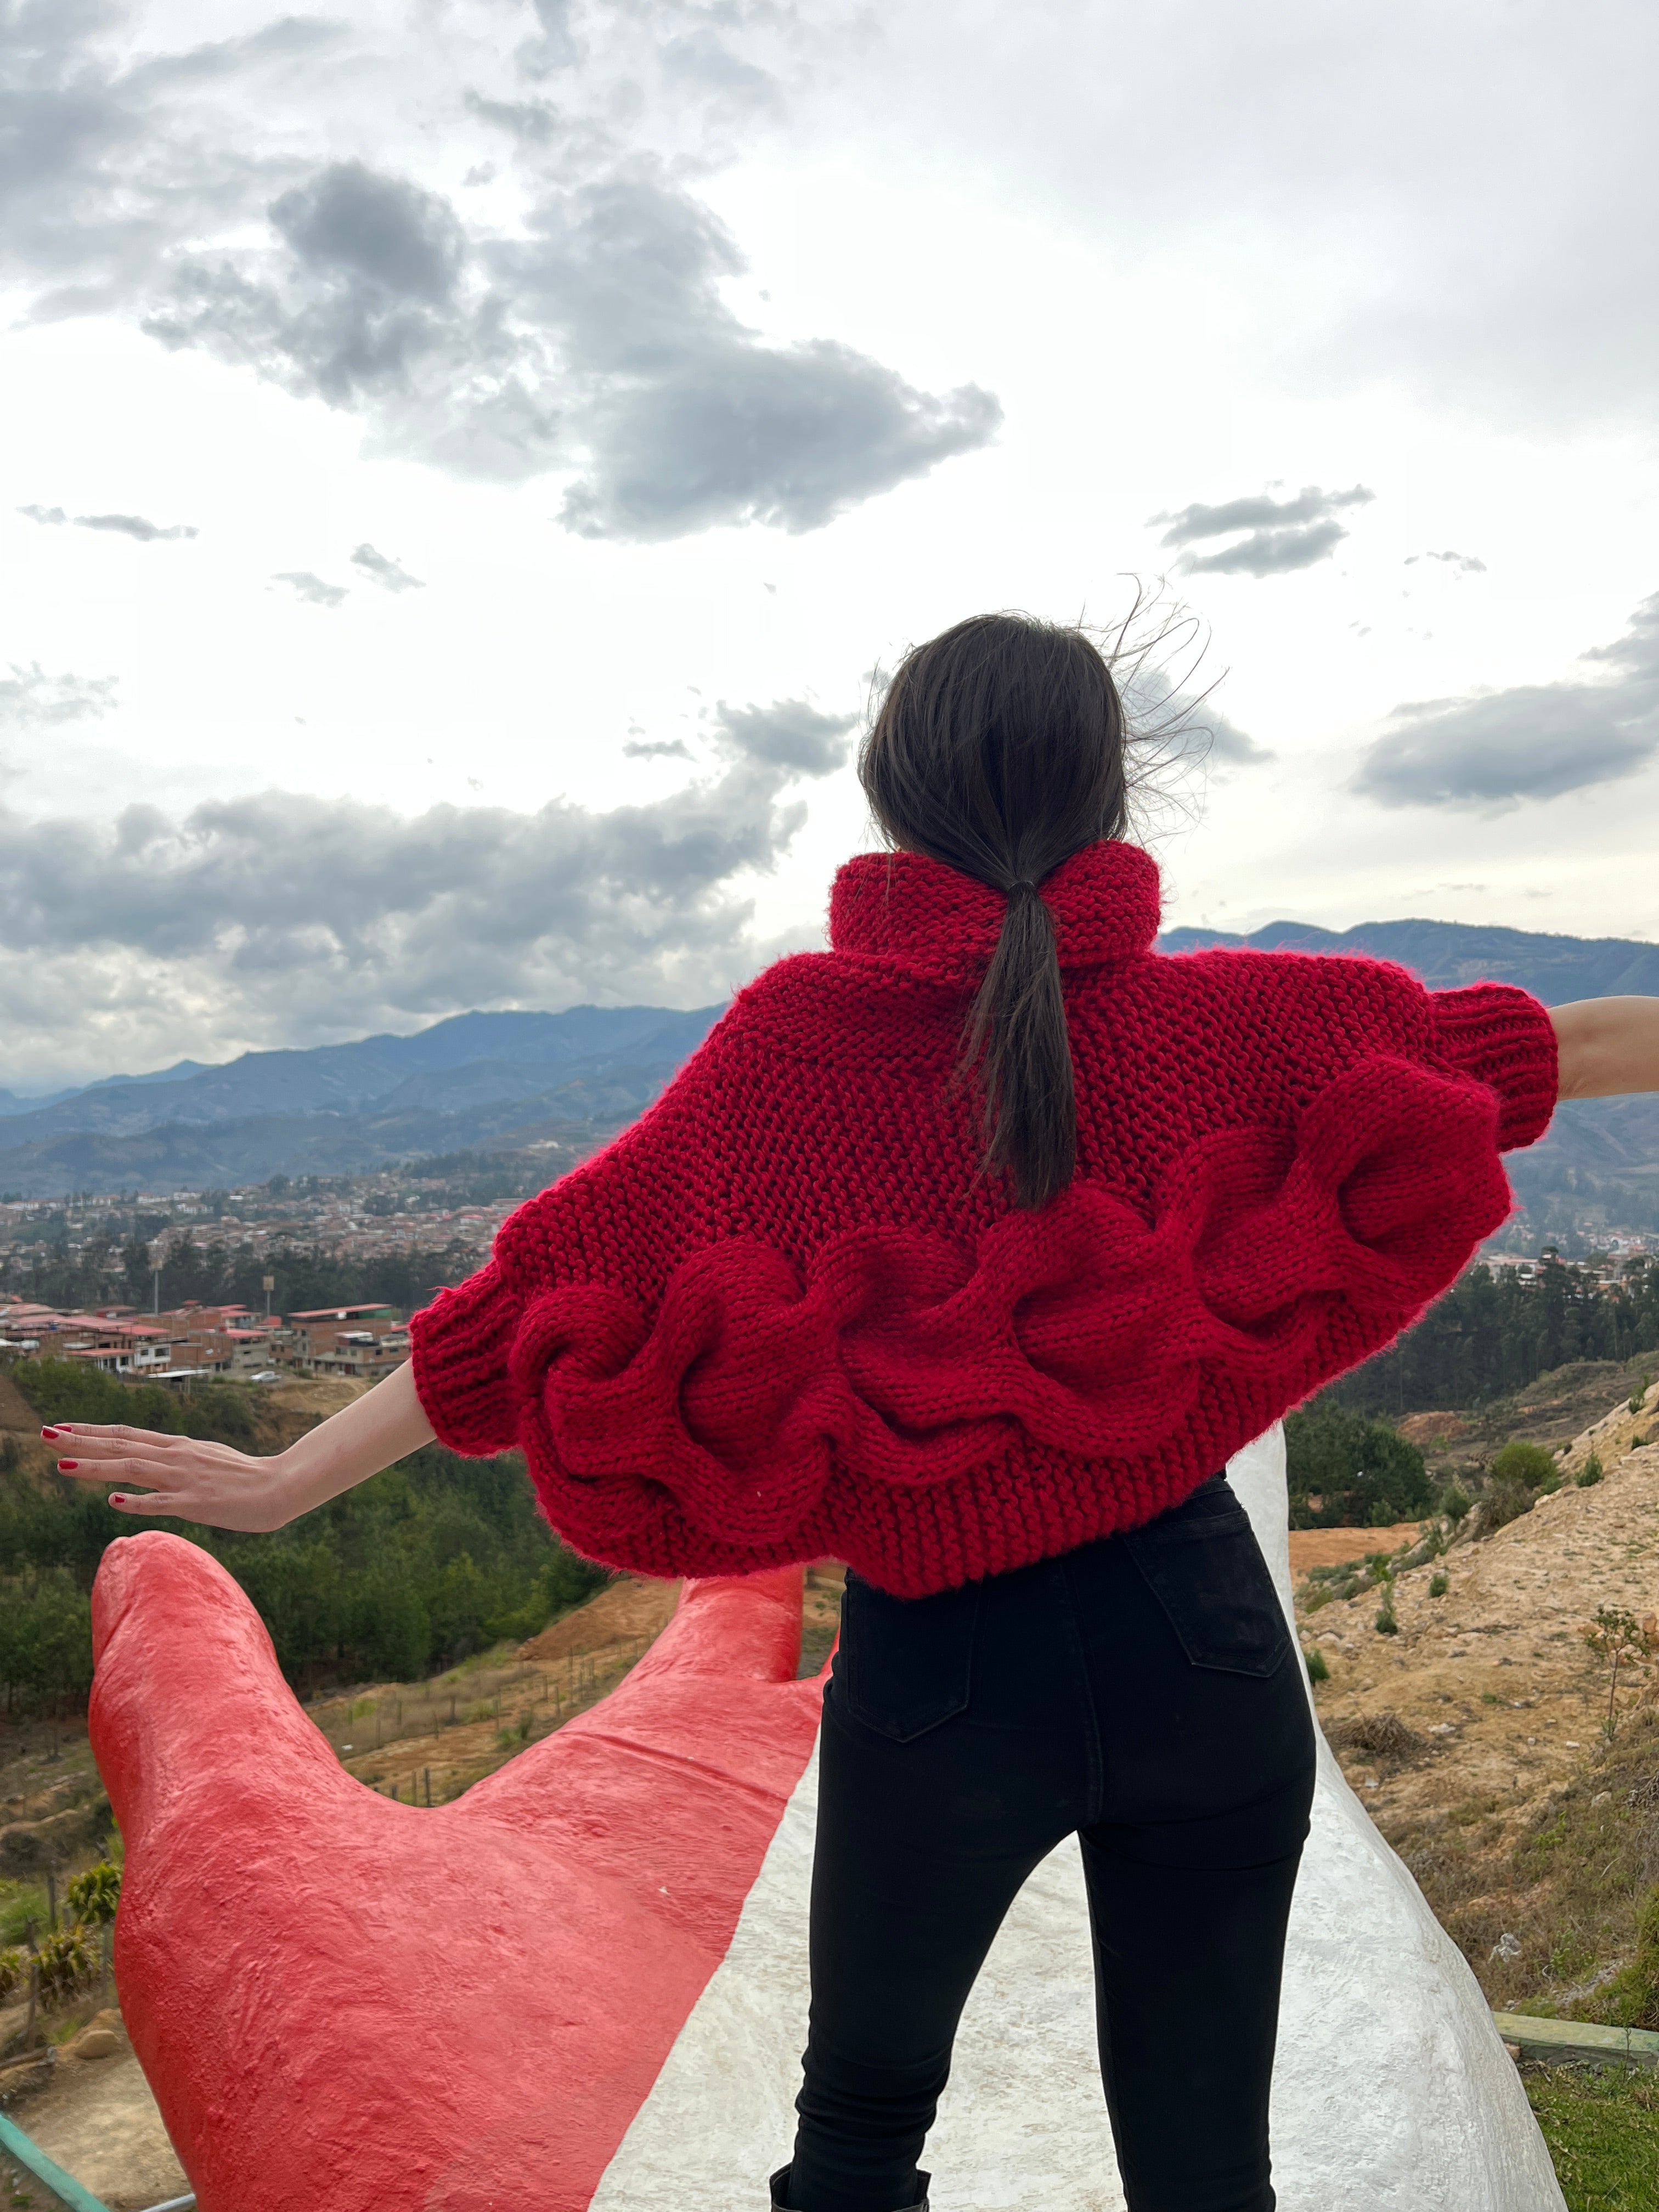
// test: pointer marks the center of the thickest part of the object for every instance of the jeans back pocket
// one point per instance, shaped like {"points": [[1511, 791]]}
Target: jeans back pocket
{"points": [[905, 1664], [1203, 1564]]}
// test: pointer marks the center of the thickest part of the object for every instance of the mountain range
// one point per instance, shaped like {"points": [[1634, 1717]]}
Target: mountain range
{"points": [[496, 1081]]}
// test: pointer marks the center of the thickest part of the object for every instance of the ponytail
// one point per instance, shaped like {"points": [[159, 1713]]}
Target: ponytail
{"points": [[1000, 749], [1017, 1043]]}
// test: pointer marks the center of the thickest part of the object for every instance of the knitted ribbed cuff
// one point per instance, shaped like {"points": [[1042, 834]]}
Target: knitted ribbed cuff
{"points": [[1502, 1036], [460, 1345]]}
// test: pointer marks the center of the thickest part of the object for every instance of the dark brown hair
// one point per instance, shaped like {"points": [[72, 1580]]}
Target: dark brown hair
{"points": [[1000, 749]]}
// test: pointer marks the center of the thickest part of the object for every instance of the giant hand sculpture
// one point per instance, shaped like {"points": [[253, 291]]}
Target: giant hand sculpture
{"points": [[343, 2003]]}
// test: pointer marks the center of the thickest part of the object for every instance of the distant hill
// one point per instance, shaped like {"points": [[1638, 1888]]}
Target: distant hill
{"points": [[1448, 953], [496, 1080], [337, 1109]]}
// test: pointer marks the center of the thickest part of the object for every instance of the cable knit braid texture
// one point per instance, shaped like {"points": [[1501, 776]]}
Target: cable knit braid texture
{"points": [[785, 1315]]}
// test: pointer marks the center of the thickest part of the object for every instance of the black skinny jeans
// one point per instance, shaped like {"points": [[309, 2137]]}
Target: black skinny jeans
{"points": [[1142, 1691]]}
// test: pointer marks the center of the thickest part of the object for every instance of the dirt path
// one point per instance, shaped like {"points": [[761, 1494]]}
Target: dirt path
{"points": [[99, 2121]]}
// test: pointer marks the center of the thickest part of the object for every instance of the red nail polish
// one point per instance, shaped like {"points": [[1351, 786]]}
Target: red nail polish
{"points": [[50, 1436], [67, 1465], [116, 1498]]}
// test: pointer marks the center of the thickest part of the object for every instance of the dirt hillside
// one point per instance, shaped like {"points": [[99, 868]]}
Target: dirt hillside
{"points": [[632, 1608], [1477, 1733]]}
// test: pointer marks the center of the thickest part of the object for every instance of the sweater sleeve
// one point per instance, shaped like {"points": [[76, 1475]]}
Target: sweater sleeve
{"points": [[625, 1218], [1504, 1038]]}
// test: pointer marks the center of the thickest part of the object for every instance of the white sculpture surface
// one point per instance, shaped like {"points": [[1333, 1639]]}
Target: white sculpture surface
{"points": [[1392, 2091]]}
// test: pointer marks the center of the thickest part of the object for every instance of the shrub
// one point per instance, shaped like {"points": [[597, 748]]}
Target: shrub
{"points": [[1454, 1503], [1318, 1671], [1638, 1396], [1589, 1473], [1438, 1585], [14, 1972], [1527, 1463], [1379, 1735], [1386, 1623], [93, 1896], [1504, 1502], [68, 1964]]}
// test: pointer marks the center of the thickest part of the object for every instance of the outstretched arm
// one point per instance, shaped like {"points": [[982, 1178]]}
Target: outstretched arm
{"points": [[185, 1479], [1608, 1046]]}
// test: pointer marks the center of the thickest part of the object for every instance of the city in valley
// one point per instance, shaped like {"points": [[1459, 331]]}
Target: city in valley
{"points": [[314, 1275]]}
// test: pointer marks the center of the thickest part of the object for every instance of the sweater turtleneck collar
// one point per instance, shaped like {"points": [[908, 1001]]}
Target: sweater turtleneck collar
{"points": [[937, 921]]}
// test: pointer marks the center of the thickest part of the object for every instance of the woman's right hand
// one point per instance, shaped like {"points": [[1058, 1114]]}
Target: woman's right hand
{"points": [[187, 1479], [180, 1477]]}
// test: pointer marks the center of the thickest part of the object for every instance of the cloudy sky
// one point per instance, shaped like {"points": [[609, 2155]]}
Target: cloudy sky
{"points": [[469, 457]]}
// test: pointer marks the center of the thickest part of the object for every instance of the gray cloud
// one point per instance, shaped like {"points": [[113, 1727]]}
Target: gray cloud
{"points": [[312, 589], [31, 700], [670, 749], [600, 343], [1533, 741], [700, 59], [126, 525], [590, 338], [1284, 534], [1462, 564], [1227, 743], [348, 222], [557, 47], [788, 734], [1270, 552], [175, 933], [390, 575], [1176, 727], [136, 525], [533, 122]]}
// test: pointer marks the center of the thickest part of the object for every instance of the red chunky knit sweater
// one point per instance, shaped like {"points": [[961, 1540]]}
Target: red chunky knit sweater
{"points": [[785, 1315]]}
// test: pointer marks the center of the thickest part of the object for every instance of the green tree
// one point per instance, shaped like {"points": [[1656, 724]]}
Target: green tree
{"points": [[1362, 1474]]}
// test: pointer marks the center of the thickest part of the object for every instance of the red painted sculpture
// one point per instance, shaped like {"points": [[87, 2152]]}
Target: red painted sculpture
{"points": [[343, 2003]]}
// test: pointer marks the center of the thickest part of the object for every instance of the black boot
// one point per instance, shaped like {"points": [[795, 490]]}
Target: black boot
{"points": [[780, 2190]]}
